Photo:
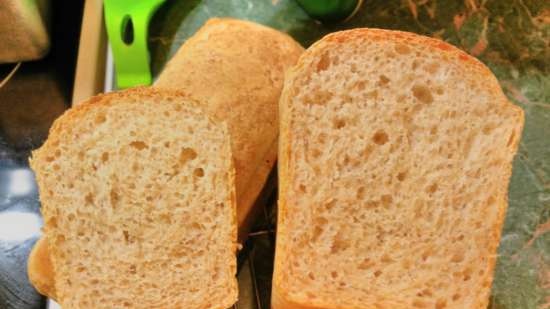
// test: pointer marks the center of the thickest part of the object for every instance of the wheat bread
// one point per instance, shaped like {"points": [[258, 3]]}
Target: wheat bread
{"points": [[137, 193], [394, 164], [235, 69]]}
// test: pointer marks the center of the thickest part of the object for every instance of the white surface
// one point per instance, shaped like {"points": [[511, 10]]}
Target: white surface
{"points": [[16, 226]]}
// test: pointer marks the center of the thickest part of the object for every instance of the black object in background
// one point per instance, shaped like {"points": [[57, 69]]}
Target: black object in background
{"points": [[37, 94]]}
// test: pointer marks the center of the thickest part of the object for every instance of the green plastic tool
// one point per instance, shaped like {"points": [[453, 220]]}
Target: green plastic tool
{"points": [[127, 23]]}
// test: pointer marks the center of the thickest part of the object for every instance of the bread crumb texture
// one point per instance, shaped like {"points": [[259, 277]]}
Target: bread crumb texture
{"points": [[235, 69], [395, 159], [137, 192]]}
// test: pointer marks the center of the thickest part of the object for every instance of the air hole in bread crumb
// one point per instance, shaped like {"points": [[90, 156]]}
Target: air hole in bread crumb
{"points": [[167, 144], [372, 94], [315, 153], [321, 221], [60, 239], [383, 80], [99, 119], [432, 67], [338, 123], [386, 199], [386, 259], [139, 145], [380, 137], [56, 167], [334, 274], [426, 254], [401, 176], [49, 159], [360, 85], [338, 244], [360, 193], [457, 257], [104, 157], [422, 93], [456, 297], [71, 217], [365, 264], [199, 172], [302, 188], [323, 63], [377, 273], [440, 304], [187, 154], [317, 231], [402, 49], [114, 197], [432, 188], [89, 198], [311, 276], [424, 293], [330, 204]]}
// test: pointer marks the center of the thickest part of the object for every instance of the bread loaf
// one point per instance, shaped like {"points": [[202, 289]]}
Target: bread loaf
{"points": [[235, 70], [137, 193], [395, 158]]}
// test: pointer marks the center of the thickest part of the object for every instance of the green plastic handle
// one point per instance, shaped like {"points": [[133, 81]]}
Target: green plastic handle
{"points": [[330, 10], [127, 23]]}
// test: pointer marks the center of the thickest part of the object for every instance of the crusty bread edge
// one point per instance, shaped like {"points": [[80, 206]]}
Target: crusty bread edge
{"points": [[280, 297], [40, 269]]}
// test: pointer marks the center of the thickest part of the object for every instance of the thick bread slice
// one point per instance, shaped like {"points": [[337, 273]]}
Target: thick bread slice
{"points": [[137, 192], [235, 69], [395, 158]]}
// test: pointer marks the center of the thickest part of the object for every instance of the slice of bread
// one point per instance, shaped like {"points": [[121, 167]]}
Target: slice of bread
{"points": [[137, 193], [395, 158], [235, 69]]}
